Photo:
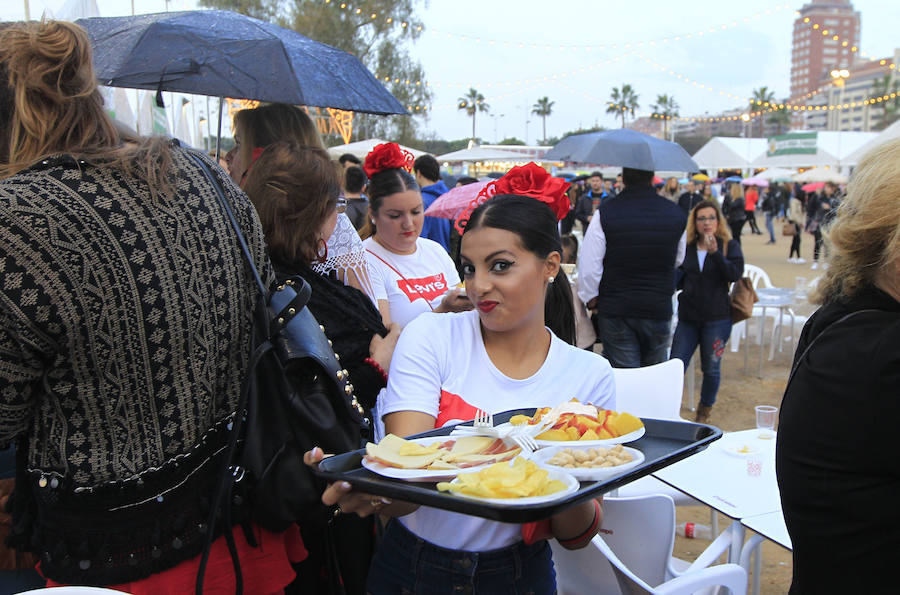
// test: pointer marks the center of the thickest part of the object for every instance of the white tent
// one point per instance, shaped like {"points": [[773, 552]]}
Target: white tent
{"points": [[729, 152], [821, 174], [362, 148], [777, 173], [832, 148], [482, 154], [889, 133]]}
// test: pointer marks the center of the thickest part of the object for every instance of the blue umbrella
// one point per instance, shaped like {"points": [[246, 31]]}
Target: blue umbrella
{"points": [[734, 179], [627, 148], [225, 54]]}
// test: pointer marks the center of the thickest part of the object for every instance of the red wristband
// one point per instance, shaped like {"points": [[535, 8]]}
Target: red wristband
{"points": [[378, 368], [587, 533]]}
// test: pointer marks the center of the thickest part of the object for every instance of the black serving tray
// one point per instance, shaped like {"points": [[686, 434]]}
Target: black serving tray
{"points": [[664, 442]]}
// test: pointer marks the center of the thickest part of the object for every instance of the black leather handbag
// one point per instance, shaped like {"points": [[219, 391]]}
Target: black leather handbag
{"points": [[295, 396]]}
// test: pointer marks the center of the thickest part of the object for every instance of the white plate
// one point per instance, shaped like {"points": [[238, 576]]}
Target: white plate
{"points": [[420, 474], [568, 479], [588, 473], [739, 449]]}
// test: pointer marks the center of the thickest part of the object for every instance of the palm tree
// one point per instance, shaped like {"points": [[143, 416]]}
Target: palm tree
{"points": [[665, 108], [473, 102], [762, 100], [780, 118], [623, 101], [543, 108]]}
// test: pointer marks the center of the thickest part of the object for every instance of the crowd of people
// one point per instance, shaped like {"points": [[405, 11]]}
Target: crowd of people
{"points": [[126, 313]]}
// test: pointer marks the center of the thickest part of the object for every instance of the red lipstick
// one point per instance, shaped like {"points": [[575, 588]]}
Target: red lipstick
{"points": [[487, 305]]}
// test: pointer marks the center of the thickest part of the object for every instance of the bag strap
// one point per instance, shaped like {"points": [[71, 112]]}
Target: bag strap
{"points": [[819, 336], [223, 485], [399, 274]]}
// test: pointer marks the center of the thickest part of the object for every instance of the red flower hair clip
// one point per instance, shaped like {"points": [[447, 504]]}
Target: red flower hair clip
{"points": [[526, 180], [387, 156]]}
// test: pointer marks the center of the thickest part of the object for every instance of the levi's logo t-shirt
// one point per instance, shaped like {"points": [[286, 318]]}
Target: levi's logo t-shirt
{"points": [[426, 287]]}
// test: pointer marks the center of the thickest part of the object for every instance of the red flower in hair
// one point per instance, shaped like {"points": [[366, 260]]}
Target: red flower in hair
{"points": [[387, 156], [527, 180]]}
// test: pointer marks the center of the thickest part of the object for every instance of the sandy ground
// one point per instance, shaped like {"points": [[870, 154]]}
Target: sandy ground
{"points": [[740, 392]]}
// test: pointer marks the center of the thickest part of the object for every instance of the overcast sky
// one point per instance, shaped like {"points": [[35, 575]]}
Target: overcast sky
{"points": [[733, 59]]}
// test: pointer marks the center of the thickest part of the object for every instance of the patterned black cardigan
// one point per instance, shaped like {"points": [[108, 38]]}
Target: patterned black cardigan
{"points": [[124, 335]]}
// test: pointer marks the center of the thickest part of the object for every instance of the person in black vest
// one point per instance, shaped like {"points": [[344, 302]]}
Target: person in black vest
{"points": [[688, 200], [626, 271], [711, 263]]}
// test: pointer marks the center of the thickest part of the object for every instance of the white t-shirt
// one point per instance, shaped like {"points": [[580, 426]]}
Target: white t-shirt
{"points": [[440, 367], [429, 273]]}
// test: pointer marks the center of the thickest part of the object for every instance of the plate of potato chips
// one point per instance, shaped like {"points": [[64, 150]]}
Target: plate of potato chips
{"points": [[590, 463], [520, 482]]}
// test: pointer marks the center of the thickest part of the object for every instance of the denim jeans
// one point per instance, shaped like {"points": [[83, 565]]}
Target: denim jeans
{"points": [[634, 342], [770, 227], [712, 337], [406, 565]]}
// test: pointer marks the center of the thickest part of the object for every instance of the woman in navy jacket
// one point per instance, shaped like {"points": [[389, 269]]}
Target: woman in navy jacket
{"points": [[711, 263]]}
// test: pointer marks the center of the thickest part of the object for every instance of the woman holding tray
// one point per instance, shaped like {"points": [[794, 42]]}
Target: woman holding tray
{"points": [[515, 350]]}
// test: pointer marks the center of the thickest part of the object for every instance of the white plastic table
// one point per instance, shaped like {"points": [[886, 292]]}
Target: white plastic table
{"points": [[724, 481], [766, 526]]}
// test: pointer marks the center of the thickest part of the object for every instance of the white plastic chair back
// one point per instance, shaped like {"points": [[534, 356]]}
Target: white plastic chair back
{"points": [[641, 531], [757, 276], [652, 391]]}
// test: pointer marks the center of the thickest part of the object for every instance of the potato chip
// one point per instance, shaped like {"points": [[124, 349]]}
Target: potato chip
{"points": [[519, 479]]}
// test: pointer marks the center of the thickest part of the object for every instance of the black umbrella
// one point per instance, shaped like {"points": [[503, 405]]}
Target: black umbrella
{"points": [[627, 148], [225, 54]]}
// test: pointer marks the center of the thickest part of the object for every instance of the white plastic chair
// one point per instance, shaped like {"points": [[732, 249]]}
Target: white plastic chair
{"points": [[654, 392], [633, 554]]}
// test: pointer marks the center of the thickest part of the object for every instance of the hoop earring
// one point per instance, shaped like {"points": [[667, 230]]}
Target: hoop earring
{"points": [[321, 250]]}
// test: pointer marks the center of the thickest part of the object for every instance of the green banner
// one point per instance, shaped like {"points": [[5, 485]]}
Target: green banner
{"points": [[793, 143]]}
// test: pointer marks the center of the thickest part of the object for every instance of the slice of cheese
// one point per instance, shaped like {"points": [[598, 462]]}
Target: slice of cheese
{"points": [[388, 452]]}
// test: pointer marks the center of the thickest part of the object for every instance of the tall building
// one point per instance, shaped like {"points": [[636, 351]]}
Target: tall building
{"points": [[824, 33]]}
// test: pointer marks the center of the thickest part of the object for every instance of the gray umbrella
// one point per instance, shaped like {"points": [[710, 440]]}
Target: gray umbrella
{"points": [[225, 54], [623, 147]]}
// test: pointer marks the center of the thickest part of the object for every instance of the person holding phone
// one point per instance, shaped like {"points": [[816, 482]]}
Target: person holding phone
{"points": [[712, 262]]}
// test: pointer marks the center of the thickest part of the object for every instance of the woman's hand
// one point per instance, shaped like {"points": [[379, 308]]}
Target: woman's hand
{"points": [[712, 246], [342, 496], [454, 301], [382, 348]]}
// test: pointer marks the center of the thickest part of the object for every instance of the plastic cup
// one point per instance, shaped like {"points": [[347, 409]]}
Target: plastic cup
{"points": [[754, 467], [765, 421], [800, 287]]}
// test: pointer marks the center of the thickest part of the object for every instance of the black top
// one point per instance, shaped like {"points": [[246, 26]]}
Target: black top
{"points": [[836, 457], [689, 200], [705, 292], [350, 320]]}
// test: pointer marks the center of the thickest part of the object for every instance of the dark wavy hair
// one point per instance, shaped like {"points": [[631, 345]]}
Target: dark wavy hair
{"points": [[536, 226]]}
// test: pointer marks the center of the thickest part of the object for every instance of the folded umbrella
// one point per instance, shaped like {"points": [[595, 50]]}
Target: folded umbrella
{"points": [[225, 54], [623, 147]]}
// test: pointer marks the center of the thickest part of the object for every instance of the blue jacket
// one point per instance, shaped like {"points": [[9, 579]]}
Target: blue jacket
{"points": [[435, 228], [642, 232]]}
